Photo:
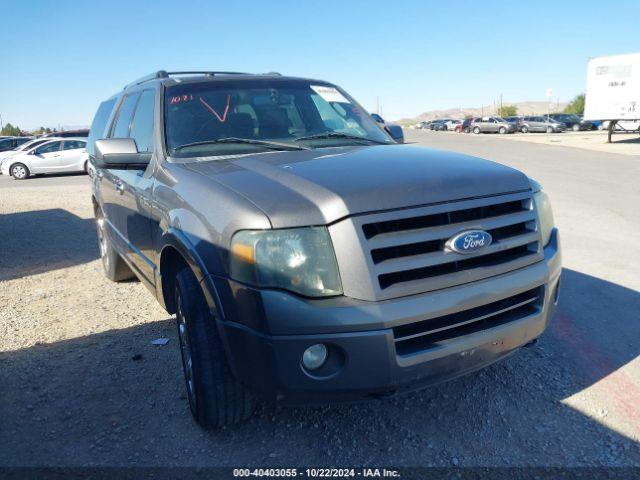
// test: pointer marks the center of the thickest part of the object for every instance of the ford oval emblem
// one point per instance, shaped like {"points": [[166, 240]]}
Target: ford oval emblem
{"points": [[469, 241]]}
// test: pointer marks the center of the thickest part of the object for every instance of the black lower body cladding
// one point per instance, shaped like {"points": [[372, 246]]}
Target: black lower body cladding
{"points": [[377, 348]]}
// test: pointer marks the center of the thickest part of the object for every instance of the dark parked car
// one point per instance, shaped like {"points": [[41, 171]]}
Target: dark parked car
{"points": [[9, 143], [573, 122], [439, 124], [392, 129], [465, 126], [306, 255], [541, 124], [68, 133]]}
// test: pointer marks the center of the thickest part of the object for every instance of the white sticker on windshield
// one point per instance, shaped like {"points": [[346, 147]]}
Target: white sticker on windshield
{"points": [[329, 94]]}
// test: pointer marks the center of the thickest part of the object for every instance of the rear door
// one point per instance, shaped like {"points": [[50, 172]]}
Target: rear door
{"points": [[130, 190], [72, 155]]}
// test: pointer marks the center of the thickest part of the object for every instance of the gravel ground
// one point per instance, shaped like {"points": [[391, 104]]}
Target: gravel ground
{"points": [[80, 383]]}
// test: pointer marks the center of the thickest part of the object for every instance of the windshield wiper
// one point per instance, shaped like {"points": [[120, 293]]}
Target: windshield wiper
{"points": [[340, 135], [248, 141]]}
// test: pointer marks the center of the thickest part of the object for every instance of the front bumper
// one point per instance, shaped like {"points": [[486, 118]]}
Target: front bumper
{"points": [[265, 333]]}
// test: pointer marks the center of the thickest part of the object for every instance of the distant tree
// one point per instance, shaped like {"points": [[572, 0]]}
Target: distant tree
{"points": [[9, 129], [507, 111], [576, 106]]}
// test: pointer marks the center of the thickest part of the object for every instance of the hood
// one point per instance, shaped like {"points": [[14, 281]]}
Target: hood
{"points": [[317, 187]]}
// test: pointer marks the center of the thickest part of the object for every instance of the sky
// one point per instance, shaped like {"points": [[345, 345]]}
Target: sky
{"points": [[61, 58]]}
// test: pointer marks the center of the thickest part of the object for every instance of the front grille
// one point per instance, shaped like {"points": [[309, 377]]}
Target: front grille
{"points": [[409, 250], [427, 334]]}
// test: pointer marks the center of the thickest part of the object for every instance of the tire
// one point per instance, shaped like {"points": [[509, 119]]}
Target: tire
{"points": [[502, 130], [86, 167], [216, 398], [524, 129], [576, 128], [19, 171], [113, 266], [549, 129], [476, 130]]}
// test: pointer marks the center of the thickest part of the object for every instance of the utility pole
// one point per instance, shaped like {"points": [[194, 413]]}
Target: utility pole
{"points": [[1, 126], [378, 105]]}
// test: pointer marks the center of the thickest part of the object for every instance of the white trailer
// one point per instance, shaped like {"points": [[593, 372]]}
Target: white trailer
{"points": [[613, 89]]}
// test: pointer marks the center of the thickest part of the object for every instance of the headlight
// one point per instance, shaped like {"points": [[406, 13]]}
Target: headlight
{"points": [[299, 259], [545, 214]]}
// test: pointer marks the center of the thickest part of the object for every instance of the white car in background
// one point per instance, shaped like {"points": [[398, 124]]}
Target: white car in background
{"points": [[59, 155], [22, 148]]}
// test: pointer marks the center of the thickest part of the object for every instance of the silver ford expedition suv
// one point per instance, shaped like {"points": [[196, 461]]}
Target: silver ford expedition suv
{"points": [[308, 257]]}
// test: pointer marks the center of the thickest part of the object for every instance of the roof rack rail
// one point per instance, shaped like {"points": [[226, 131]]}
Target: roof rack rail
{"points": [[209, 73], [165, 74], [148, 78]]}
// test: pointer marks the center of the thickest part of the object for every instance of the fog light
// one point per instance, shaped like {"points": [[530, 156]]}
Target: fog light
{"points": [[314, 356]]}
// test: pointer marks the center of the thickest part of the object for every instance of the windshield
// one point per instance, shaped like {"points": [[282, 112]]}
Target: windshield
{"points": [[30, 144], [227, 118]]}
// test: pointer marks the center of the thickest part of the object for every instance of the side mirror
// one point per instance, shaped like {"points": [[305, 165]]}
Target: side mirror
{"points": [[396, 132], [120, 153], [377, 118]]}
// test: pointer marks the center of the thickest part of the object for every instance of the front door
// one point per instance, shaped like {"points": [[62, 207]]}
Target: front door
{"points": [[129, 191], [46, 158]]}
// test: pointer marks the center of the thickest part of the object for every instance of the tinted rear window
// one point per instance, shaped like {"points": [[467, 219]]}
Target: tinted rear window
{"points": [[123, 122], [99, 125]]}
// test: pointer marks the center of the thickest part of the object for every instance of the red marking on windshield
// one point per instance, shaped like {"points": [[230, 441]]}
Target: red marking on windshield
{"points": [[181, 98], [211, 109]]}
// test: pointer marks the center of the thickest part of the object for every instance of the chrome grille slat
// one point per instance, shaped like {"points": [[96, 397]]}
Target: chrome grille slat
{"points": [[407, 248], [439, 258], [446, 231]]}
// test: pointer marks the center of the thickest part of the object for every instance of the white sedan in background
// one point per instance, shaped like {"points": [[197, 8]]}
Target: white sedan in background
{"points": [[22, 148], [60, 155]]}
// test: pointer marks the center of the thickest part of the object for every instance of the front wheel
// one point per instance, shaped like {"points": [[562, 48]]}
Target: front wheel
{"points": [[549, 130], [19, 171], [524, 129], [502, 130], [216, 398], [576, 128], [476, 130]]}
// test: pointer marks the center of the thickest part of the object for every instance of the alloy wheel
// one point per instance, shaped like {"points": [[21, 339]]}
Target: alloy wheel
{"points": [[102, 242], [185, 349]]}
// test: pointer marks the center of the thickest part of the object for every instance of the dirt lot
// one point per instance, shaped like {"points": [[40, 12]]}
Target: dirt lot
{"points": [[80, 383]]}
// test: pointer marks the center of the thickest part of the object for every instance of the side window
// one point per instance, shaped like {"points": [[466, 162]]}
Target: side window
{"points": [[121, 127], [73, 144], [142, 124], [48, 148], [99, 124]]}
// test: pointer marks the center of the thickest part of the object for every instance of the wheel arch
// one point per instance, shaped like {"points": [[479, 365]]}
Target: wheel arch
{"points": [[176, 252]]}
